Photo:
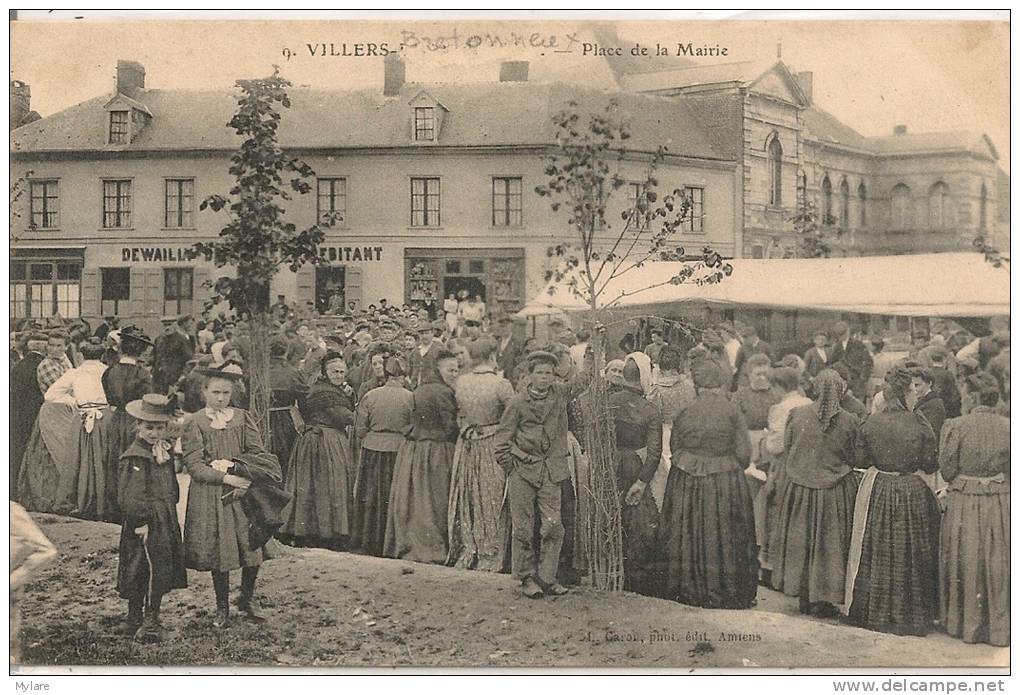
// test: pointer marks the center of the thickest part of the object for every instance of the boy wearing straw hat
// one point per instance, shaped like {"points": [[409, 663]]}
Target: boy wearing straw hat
{"points": [[151, 553]]}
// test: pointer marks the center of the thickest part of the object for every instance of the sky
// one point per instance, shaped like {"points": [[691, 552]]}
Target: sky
{"points": [[872, 75]]}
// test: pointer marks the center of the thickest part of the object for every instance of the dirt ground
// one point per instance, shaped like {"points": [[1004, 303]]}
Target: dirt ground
{"points": [[338, 609]]}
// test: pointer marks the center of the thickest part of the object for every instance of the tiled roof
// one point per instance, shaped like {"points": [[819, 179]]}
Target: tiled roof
{"points": [[741, 72], [481, 114], [823, 127]]}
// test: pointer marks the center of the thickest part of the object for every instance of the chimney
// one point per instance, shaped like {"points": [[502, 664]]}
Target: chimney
{"points": [[806, 80], [513, 71], [130, 78], [393, 79], [899, 130], [21, 103]]}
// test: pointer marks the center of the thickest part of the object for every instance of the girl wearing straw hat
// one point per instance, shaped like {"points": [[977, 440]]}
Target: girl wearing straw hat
{"points": [[151, 554]]}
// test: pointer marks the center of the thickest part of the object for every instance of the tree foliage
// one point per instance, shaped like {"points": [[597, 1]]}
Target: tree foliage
{"points": [[257, 240], [585, 170], [812, 238]]}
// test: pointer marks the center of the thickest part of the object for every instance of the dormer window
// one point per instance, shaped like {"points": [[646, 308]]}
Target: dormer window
{"points": [[426, 119], [125, 119], [425, 123], [119, 127]]}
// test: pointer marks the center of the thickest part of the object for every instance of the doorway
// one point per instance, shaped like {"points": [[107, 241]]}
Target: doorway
{"points": [[454, 284], [329, 289]]}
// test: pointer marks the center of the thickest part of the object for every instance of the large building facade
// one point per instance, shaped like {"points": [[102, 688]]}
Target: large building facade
{"points": [[426, 190]]}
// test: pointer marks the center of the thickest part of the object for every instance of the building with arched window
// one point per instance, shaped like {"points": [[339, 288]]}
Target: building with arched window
{"points": [[439, 180], [775, 150], [938, 206]]}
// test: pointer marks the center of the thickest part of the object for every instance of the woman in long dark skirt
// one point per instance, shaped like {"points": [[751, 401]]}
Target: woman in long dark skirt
{"points": [[420, 495], [287, 386], [892, 570], [974, 572], [816, 503], [706, 533], [124, 382], [321, 472], [382, 421], [638, 425]]}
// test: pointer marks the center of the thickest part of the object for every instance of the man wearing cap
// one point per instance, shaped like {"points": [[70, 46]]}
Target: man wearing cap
{"points": [[171, 353], [26, 399], [531, 446]]}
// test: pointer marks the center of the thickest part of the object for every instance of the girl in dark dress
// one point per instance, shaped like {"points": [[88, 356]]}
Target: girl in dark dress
{"points": [[707, 525], [123, 382], [151, 554], [892, 571], [321, 472], [216, 529]]}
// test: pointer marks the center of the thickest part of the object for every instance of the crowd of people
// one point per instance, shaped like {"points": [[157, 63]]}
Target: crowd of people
{"points": [[444, 438]]}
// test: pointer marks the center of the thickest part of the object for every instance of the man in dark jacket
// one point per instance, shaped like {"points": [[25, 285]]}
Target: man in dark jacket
{"points": [[943, 381], [750, 344], [531, 446], [171, 353], [507, 349], [26, 399], [855, 355], [928, 402]]}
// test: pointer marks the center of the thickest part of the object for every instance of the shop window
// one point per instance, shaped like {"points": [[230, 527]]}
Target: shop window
{"points": [[179, 208], [506, 201], [332, 202], [476, 266], [695, 219], [45, 288], [178, 290], [116, 290], [45, 205], [453, 266], [119, 127], [116, 203], [425, 202]]}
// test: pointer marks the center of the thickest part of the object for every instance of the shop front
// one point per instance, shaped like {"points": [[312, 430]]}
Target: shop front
{"points": [[139, 284], [496, 275]]}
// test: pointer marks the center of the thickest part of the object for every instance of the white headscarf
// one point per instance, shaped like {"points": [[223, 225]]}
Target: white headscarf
{"points": [[644, 363]]}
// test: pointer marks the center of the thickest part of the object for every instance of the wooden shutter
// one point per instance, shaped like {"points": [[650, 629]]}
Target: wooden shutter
{"points": [[136, 301], [352, 286], [152, 298], [305, 285], [90, 297], [200, 292]]}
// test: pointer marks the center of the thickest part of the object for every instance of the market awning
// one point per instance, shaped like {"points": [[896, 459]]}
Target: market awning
{"points": [[937, 284]]}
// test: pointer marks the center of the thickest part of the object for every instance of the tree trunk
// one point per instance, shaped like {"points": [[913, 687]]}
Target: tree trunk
{"points": [[604, 528], [258, 374]]}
